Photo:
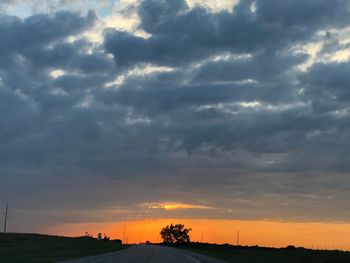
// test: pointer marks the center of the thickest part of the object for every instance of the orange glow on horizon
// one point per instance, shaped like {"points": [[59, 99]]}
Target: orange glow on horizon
{"points": [[262, 233]]}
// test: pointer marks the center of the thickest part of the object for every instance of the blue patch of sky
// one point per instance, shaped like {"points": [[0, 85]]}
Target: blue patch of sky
{"points": [[26, 9]]}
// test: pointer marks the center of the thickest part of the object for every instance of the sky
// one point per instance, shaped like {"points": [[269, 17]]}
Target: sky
{"points": [[140, 110]]}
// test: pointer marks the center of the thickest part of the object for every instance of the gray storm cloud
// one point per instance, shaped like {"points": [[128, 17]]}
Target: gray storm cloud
{"points": [[211, 108]]}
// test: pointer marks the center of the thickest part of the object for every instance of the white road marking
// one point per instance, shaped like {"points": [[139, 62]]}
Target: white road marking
{"points": [[188, 256]]}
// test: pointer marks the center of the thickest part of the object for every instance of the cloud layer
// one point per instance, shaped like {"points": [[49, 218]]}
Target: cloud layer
{"points": [[245, 111]]}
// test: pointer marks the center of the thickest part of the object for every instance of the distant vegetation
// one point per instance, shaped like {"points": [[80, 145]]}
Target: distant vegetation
{"points": [[175, 234], [254, 254], [34, 248]]}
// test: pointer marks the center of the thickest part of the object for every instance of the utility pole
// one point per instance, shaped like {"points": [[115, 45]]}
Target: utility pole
{"points": [[5, 223], [202, 238], [124, 234], [237, 237]]}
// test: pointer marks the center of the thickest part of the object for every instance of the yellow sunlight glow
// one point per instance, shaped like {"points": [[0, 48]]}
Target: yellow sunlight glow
{"points": [[174, 206]]}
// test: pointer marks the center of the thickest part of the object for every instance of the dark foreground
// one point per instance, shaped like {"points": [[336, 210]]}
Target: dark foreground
{"points": [[34, 248], [240, 254], [149, 254]]}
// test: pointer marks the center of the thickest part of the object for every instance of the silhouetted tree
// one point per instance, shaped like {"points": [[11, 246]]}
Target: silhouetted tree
{"points": [[175, 234]]}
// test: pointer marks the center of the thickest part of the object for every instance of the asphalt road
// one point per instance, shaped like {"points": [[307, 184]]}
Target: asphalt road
{"points": [[148, 254]]}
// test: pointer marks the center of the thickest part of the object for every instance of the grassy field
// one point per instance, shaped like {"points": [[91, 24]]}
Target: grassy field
{"points": [[269, 255], [34, 248]]}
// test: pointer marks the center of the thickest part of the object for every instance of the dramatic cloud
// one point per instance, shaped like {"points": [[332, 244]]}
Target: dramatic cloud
{"points": [[208, 110]]}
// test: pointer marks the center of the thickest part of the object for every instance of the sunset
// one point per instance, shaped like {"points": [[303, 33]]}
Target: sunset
{"points": [[198, 130], [262, 233]]}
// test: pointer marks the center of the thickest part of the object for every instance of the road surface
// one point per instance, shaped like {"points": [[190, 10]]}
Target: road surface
{"points": [[148, 254]]}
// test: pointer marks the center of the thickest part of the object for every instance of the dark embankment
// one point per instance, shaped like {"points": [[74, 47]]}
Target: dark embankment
{"points": [[30, 248], [255, 254]]}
